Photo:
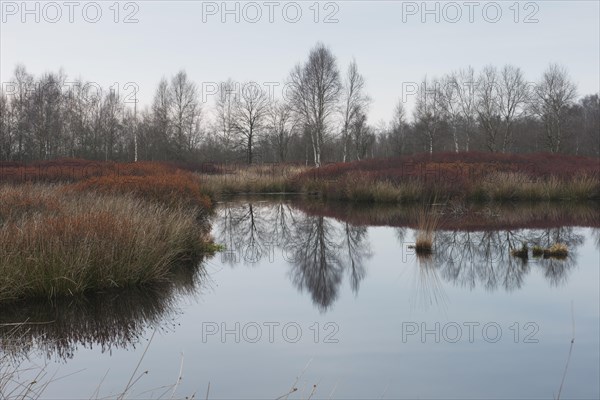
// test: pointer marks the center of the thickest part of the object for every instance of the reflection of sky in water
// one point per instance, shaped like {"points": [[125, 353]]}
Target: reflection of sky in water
{"points": [[369, 304]]}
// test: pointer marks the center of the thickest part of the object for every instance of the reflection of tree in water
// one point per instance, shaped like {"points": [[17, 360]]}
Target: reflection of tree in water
{"points": [[322, 249], [471, 258], [556, 270], [319, 249], [356, 248], [400, 234], [110, 320], [243, 230], [317, 264]]}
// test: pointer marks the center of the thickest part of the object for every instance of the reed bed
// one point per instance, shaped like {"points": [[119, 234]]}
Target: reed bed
{"points": [[251, 180], [472, 176]]}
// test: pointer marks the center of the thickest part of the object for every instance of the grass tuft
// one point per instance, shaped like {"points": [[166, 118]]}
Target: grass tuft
{"points": [[558, 251], [428, 222], [522, 253], [537, 251]]}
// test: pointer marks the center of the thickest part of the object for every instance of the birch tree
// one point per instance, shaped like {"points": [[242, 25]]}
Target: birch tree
{"points": [[554, 94], [185, 110], [314, 94]]}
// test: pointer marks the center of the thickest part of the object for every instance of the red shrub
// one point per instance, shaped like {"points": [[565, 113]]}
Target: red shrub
{"points": [[163, 182], [174, 189], [460, 167]]}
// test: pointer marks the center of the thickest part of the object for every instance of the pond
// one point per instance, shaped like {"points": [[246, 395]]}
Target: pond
{"points": [[333, 295]]}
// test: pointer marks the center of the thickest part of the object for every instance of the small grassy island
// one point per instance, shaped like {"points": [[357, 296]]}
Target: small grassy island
{"points": [[72, 226]]}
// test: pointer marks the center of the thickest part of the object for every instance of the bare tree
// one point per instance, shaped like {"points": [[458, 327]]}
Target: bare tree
{"points": [[185, 112], [553, 96], [467, 100], [75, 125], [398, 128], [513, 95], [361, 134], [46, 115], [249, 112], [161, 124], [428, 112], [590, 123], [488, 106], [111, 122], [22, 94], [450, 103], [6, 127], [224, 106], [280, 124], [354, 102], [315, 88]]}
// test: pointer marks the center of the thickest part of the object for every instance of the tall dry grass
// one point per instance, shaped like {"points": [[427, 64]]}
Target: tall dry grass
{"points": [[253, 179], [428, 223], [55, 242], [510, 186]]}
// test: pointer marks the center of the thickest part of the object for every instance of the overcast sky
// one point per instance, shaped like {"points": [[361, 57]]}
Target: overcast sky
{"points": [[394, 43]]}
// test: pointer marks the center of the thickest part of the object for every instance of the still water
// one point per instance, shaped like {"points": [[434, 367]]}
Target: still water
{"points": [[331, 295]]}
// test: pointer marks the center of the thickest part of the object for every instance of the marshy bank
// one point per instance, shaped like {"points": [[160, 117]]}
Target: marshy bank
{"points": [[466, 177], [95, 229]]}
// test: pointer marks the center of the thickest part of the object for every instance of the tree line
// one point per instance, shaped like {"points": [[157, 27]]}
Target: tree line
{"points": [[321, 116]]}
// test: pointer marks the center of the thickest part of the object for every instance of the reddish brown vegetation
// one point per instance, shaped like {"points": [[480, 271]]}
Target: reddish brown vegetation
{"points": [[170, 189], [167, 183], [461, 166], [474, 175], [73, 170]]}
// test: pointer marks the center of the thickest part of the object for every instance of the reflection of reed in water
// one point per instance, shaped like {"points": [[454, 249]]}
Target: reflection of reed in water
{"points": [[428, 288], [596, 236], [109, 320]]}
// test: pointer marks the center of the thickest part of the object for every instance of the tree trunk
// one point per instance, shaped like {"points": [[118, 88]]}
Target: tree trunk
{"points": [[345, 139], [455, 137], [430, 144], [250, 148]]}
